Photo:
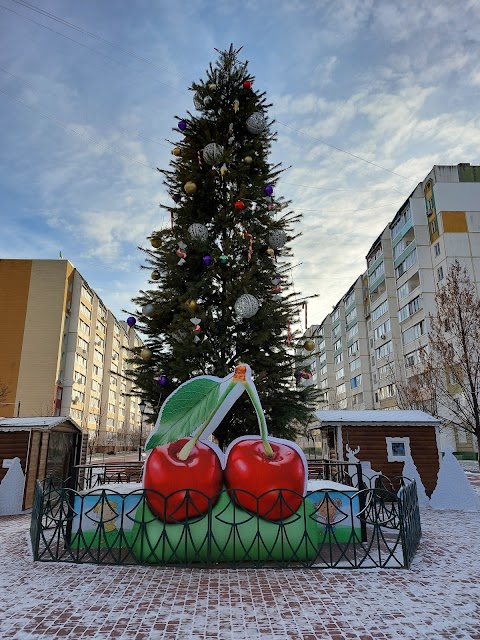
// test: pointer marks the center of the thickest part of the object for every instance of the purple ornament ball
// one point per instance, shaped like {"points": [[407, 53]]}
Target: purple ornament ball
{"points": [[268, 190], [131, 321], [207, 260], [182, 125], [162, 381], [298, 375]]}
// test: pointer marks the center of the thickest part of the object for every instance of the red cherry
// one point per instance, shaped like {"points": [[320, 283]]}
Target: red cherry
{"points": [[201, 473], [252, 473], [239, 205], [247, 84]]}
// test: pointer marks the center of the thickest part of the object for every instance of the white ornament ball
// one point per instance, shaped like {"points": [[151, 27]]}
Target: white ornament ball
{"points": [[148, 309], [277, 238], [246, 306], [256, 123], [213, 153], [198, 232]]}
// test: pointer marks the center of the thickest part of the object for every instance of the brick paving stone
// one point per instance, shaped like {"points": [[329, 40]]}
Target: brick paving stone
{"points": [[438, 598]]}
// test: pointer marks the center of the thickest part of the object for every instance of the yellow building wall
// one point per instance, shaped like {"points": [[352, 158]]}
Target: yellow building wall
{"points": [[454, 222], [42, 343], [14, 288]]}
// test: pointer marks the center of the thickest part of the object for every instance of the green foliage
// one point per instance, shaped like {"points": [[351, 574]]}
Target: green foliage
{"points": [[225, 339]]}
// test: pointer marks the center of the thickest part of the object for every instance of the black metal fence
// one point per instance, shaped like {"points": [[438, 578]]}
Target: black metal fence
{"points": [[366, 528]]}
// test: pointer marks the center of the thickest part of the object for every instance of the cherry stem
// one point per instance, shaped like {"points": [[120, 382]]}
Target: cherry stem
{"points": [[187, 448], [251, 390]]}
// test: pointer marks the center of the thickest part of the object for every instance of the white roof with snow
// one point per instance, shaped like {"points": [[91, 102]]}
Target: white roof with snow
{"points": [[24, 424], [331, 418]]}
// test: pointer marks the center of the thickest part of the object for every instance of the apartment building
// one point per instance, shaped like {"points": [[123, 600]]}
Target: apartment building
{"points": [[62, 352], [376, 331]]}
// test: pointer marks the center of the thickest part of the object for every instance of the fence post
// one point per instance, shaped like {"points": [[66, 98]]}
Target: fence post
{"points": [[36, 523]]}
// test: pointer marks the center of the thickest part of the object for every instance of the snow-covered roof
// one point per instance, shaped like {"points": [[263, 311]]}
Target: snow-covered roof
{"points": [[332, 418], [25, 424]]}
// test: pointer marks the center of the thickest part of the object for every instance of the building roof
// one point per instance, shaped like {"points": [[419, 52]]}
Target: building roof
{"points": [[375, 417], [25, 424]]}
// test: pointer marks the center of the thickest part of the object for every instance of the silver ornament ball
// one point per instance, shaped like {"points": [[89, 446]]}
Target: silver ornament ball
{"points": [[246, 306], [256, 123], [213, 153], [198, 232], [277, 238]]}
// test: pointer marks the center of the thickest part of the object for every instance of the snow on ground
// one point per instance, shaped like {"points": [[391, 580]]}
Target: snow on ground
{"points": [[438, 598]]}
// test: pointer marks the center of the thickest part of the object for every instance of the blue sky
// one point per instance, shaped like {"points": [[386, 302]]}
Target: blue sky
{"points": [[394, 83]]}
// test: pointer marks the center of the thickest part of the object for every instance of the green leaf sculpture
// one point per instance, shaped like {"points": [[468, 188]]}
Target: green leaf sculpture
{"points": [[186, 409]]}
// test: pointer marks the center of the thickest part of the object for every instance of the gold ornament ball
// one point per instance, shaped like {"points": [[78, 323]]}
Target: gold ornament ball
{"points": [[190, 188], [155, 275], [270, 252], [146, 354], [192, 305], [212, 86], [248, 160], [177, 152], [155, 242], [309, 345]]}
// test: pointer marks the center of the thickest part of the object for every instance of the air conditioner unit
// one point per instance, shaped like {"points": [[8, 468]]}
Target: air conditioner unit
{"points": [[79, 381], [84, 351], [383, 336], [98, 343], [76, 399]]}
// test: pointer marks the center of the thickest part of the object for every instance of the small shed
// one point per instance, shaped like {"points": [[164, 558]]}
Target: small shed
{"points": [[384, 438], [48, 446]]}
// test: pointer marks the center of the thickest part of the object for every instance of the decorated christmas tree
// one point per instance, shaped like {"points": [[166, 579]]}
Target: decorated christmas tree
{"points": [[219, 289]]}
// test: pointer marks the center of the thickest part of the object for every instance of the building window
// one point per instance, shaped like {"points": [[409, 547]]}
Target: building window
{"points": [[338, 358], [339, 374], [87, 295], [83, 327], [84, 310], [353, 348], [439, 274], [356, 381], [335, 315], [414, 332], [337, 345], [352, 332], [398, 449], [379, 271], [386, 392], [409, 309], [436, 249], [404, 266], [382, 330], [357, 399], [349, 300], [379, 311], [80, 360], [355, 364], [350, 317], [383, 351], [341, 389], [403, 218]]}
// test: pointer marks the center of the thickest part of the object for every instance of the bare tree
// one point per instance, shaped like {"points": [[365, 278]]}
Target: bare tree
{"points": [[447, 383]]}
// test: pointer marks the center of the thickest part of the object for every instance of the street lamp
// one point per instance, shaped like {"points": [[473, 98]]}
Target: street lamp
{"points": [[142, 406]]}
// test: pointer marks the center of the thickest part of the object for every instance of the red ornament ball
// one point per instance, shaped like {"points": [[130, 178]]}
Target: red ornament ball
{"points": [[239, 205], [247, 84]]}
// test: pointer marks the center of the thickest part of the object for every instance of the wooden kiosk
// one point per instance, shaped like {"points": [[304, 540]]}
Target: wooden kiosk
{"points": [[46, 447], [383, 438]]}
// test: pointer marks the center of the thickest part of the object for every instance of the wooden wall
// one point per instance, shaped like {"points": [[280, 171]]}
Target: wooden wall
{"points": [[37, 462], [373, 448], [13, 444]]}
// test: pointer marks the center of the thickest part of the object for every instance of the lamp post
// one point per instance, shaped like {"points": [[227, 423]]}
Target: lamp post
{"points": [[142, 406]]}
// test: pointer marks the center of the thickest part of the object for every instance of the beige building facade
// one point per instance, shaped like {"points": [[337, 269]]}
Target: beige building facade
{"points": [[62, 352]]}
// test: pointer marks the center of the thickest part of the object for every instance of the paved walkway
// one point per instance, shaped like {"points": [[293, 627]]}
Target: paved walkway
{"points": [[438, 598]]}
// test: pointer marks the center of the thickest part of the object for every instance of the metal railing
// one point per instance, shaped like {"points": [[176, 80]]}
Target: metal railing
{"points": [[366, 528], [89, 476]]}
